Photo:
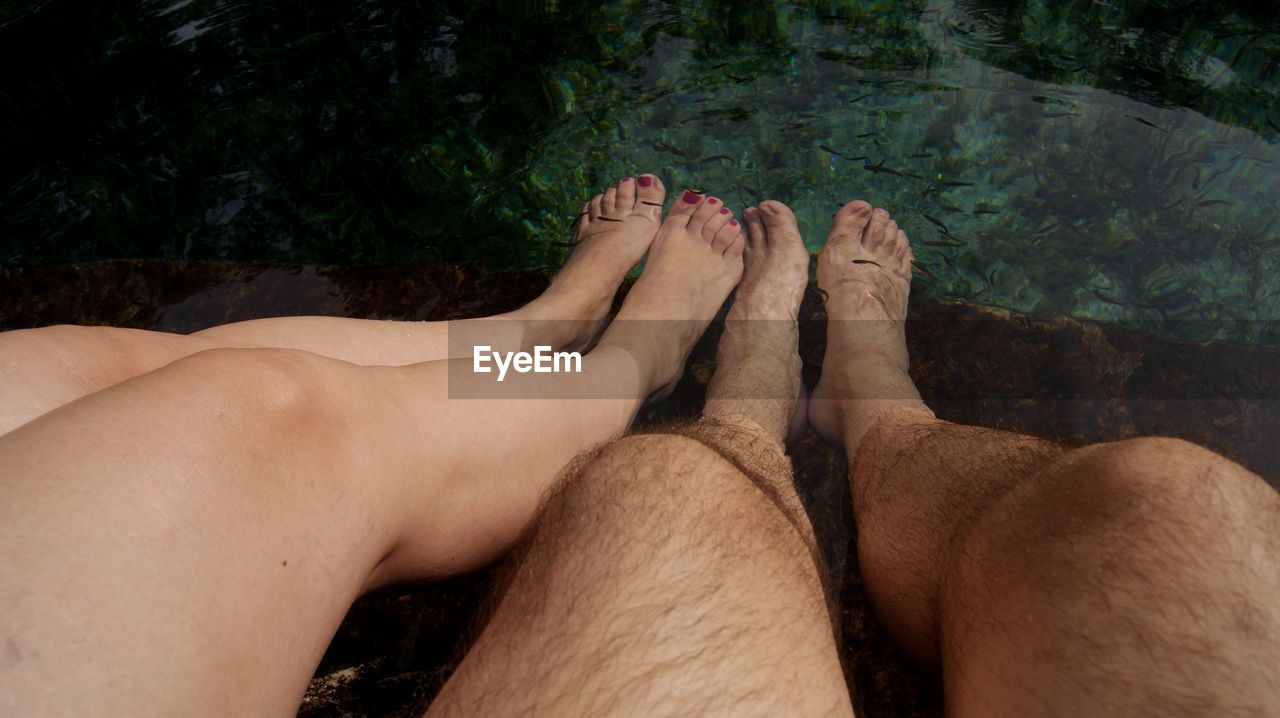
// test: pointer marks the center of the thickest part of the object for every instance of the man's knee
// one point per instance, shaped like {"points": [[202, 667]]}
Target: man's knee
{"points": [[1149, 496], [677, 480]]}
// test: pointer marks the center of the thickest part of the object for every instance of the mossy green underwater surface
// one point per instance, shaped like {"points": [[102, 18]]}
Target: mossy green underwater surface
{"points": [[1115, 161]]}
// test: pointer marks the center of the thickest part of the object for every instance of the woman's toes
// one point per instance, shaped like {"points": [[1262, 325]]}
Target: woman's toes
{"points": [[626, 194], [684, 207], [610, 202], [718, 220], [706, 212], [649, 194], [730, 233], [597, 207]]}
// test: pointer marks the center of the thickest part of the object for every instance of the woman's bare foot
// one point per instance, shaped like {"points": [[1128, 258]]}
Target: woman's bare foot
{"points": [[612, 234], [865, 271], [695, 261], [757, 363]]}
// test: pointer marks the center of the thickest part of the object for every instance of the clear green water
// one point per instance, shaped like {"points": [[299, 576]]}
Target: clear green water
{"points": [[1115, 161]]}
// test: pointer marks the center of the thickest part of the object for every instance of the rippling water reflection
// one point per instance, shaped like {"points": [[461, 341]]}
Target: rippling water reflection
{"points": [[1115, 162]]}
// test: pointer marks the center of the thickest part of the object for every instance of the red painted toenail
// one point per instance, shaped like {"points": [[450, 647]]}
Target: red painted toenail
{"points": [[644, 181], [733, 222], [626, 179], [713, 200], [691, 197], [724, 210]]}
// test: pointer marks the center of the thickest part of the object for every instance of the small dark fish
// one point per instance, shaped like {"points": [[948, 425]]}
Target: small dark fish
{"points": [[927, 190], [721, 66], [860, 98], [1148, 123], [622, 132], [1211, 202], [920, 156], [941, 243], [952, 209], [670, 149], [1195, 183], [1058, 114], [957, 184], [867, 134], [936, 223], [1045, 229], [824, 148], [881, 168], [859, 158], [737, 78], [924, 270], [718, 158], [986, 211], [1105, 298]]}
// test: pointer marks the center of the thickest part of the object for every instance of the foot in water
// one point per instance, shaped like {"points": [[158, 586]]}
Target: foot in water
{"points": [[865, 271], [694, 262], [610, 237], [757, 363]]}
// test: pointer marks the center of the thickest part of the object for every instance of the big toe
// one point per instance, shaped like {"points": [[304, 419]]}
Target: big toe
{"points": [[650, 194], [849, 223], [683, 209]]}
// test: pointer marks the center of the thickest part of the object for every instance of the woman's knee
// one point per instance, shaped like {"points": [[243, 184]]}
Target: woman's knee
{"points": [[277, 384]]}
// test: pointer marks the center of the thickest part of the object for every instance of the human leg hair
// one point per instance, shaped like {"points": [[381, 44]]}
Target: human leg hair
{"points": [[42, 369], [659, 580], [1118, 579]]}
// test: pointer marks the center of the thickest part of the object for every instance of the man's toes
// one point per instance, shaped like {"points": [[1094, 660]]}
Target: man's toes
{"points": [[684, 207], [757, 238], [626, 194], [850, 222], [877, 229], [708, 210], [781, 224], [777, 214], [728, 239]]}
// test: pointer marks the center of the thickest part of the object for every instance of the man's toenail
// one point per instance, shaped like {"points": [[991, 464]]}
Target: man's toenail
{"points": [[723, 210], [692, 197], [644, 181], [713, 200]]}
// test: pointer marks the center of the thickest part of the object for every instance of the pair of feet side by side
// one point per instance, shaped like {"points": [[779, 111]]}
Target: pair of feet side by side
{"points": [[697, 255]]}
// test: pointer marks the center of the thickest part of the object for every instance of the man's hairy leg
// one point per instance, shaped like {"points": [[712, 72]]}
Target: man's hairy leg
{"points": [[660, 580], [1131, 578], [677, 574]]}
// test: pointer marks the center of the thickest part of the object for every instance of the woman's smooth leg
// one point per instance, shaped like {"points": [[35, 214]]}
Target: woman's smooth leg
{"points": [[188, 541], [41, 369]]}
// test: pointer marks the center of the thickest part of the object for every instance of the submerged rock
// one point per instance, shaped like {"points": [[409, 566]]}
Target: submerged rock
{"points": [[1054, 377]]}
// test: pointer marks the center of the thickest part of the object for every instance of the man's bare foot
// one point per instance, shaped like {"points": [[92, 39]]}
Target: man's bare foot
{"points": [[694, 263], [757, 363], [865, 271], [611, 235]]}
